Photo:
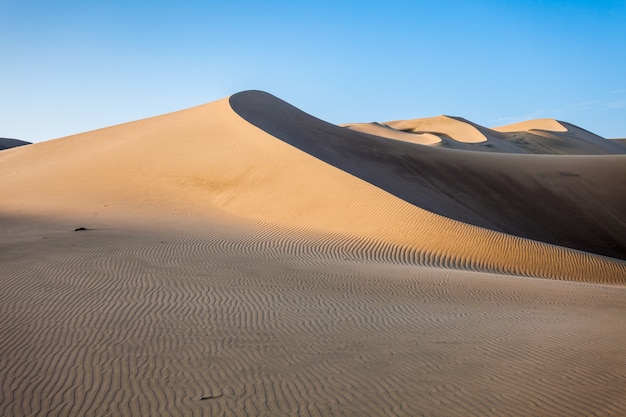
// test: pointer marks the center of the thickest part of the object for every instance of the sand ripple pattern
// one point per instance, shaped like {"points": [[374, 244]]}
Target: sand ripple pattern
{"points": [[249, 322]]}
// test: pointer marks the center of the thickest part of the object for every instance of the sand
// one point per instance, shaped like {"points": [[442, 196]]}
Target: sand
{"points": [[6, 143], [537, 197], [244, 258], [385, 131], [456, 128]]}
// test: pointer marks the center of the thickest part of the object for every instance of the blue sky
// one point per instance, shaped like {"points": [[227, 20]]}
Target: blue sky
{"points": [[72, 66]]}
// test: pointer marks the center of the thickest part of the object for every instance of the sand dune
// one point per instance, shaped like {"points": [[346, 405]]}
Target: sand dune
{"points": [[245, 258], [524, 195], [6, 143], [207, 161], [541, 136], [454, 127], [536, 124], [553, 136]]}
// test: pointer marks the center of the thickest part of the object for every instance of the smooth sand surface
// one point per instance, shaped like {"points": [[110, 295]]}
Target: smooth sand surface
{"points": [[244, 258]]}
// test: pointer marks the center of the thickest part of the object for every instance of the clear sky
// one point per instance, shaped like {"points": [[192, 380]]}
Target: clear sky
{"points": [[71, 66]]}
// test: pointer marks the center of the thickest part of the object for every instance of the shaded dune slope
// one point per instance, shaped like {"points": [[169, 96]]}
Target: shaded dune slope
{"points": [[210, 164], [6, 143], [563, 200]]}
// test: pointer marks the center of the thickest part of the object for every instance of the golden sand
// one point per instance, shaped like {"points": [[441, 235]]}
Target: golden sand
{"points": [[244, 258]]}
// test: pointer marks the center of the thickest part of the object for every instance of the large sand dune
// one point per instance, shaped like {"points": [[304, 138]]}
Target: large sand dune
{"points": [[245, 258], [536, 197]]}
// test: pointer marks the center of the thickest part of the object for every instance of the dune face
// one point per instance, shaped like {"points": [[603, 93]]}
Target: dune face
{"points": [[245, 258], [6, 143], [538, 198]]}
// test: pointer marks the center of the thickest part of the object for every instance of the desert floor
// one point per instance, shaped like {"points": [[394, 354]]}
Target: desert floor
{"points": [[204, 319]]}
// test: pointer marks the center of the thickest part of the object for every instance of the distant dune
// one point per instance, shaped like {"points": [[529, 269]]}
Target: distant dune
{"points": [[541, 136], [11, 143], [453, 127], [536, 124], [387, 131], [245, 258]]}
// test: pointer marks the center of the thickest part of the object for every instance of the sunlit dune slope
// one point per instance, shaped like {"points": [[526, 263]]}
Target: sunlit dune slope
{"points": [[389, 199]]}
